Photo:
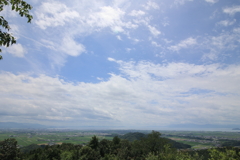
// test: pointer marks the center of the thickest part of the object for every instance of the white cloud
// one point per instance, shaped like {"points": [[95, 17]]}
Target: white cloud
{"points": [[183, 44], [165, 21], [236, 30], [71, 47], [224, 41], [151, 5], [231, 10], [119, 38], [211, 1], [8, 13], [154, 31], [107, 16], [179, 91], [111, 59], [220, 45], [181, 2], [137, 13], [17, 50], [226, 22], [59, 15], [128, 50], [156, 44]]}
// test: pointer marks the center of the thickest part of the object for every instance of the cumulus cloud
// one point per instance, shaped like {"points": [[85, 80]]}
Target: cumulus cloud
{"points": [[184, 44], [59, 15], [71, 47], [17, 50], [231, 10], [107, 16], [178, 90]]}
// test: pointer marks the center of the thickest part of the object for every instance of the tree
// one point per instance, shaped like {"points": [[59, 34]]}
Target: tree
{"points": [[226, 154], [9, 150], [22, 8], [154, 143], [94, 143]]}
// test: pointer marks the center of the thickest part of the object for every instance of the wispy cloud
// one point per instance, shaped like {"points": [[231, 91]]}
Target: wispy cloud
{"points": [[231, 10], [211, 1], [154, 31], [119, 38], [183, 44], [151, 5], [156, 44], [137, 13], [226, 22], [181, 2]]}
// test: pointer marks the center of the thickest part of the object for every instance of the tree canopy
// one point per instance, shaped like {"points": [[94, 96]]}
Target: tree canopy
{"points": [[22, 8], [150, 147]]}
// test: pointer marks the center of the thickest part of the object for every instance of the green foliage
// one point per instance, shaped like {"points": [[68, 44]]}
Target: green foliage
{"points": [[230, 143], [29, 148], [133, 136], [227, 154], [9, 150], [151, 147], [87, 153], [154, 143], [94, 143], [177, 145], [66, 155], [169, 153], [105, 147], [22, 8]]}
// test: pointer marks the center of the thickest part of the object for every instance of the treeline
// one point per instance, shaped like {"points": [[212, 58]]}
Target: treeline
{"points": [[148, 147], [138, 136]]}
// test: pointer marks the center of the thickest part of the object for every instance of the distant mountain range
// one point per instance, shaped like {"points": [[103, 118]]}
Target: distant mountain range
{"points": [[14, 125], [204, 126], [236, 129]]}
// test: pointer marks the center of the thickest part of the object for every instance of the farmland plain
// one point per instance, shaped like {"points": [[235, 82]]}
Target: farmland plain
{"points": [[197, 139]]}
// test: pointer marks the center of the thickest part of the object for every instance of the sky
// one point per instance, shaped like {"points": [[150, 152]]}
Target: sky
{"points": [[123, 64]]}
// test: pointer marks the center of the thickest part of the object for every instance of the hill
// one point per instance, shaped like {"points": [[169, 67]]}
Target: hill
{"points": [[138, 136]]}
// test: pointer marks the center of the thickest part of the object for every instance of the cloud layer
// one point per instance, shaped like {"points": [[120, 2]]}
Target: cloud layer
{"points": [[162, 94]]}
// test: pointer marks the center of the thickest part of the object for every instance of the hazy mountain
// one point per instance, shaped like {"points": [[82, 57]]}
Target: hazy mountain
{"points": [[198, 126], [14, 125]]}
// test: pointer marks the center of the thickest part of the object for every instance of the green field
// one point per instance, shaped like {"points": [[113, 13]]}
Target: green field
{"points": [[28, 138], [201, 139], [197, 139]]}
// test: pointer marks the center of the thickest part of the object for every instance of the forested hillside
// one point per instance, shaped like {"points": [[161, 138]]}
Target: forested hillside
{"points": [[138, 136], [144, 147]]}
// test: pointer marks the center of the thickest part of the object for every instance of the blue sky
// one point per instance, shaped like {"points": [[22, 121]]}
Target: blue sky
{"points": [[121, 63]]}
